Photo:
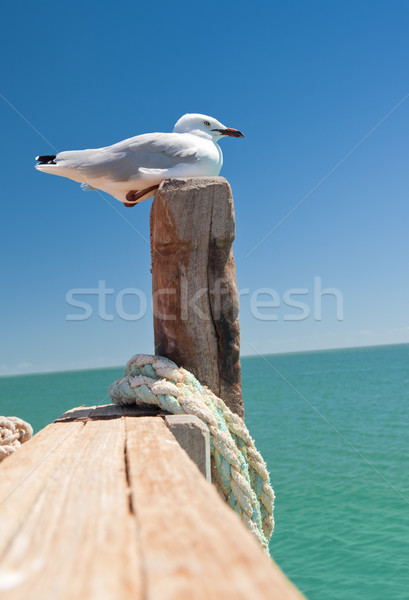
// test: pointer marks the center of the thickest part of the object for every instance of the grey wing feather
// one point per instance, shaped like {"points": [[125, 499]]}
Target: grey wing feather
{"points": [[121, 161]]}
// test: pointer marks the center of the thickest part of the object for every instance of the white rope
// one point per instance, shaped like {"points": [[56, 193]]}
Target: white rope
{"points": [[13, 433]]}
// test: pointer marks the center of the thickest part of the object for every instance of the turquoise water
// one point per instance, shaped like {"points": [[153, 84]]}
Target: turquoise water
{"points": [[333, 428]]}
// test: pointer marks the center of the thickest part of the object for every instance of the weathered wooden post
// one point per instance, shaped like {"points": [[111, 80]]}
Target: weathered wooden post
{"points": [[195, 296]]}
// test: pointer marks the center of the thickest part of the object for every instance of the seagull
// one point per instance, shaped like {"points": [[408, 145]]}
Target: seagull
{"points": [[132, 170]]}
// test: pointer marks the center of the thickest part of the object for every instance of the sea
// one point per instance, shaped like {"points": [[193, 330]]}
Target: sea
{"points": [[333, 428]]}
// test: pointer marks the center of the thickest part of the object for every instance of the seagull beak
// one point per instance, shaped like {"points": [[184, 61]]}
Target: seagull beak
{"points": [[230, 132]]}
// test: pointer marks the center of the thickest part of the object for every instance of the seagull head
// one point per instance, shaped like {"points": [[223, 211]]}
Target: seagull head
{"points": [[204, 126]]}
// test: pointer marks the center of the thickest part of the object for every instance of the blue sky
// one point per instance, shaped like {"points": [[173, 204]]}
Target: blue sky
{"points": [[306, 83]]}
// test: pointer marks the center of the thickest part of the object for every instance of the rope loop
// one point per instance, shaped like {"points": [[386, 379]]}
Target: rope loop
{"points": [[238, 470]]}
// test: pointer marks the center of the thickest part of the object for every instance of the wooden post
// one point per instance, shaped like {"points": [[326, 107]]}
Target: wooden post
{"points": [[194, 287]]}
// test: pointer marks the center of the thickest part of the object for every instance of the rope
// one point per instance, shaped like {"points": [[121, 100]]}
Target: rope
{"points": [[13, 433], [238, 470]]}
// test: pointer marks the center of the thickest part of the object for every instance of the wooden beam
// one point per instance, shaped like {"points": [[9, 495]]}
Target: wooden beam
{"points": [[69, 529], [113, 508], [194, 285], [194, 545]]}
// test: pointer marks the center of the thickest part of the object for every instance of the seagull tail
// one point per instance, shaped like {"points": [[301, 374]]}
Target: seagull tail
{"points": [[61, 170], [49, 168], [46, 163], [47, 159], [66, 164]]}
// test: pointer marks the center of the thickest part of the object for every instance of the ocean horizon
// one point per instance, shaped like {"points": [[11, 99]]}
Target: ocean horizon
{"points": [[255, 354], [332, 427]]}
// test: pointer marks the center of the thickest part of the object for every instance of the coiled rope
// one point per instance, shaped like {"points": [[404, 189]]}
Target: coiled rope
{"points": [[13, 433], [238, 469]]}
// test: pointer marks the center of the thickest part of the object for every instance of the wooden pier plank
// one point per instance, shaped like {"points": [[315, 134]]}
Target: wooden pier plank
{"points": [[23, 475], [78, 538], [113, 508], [194, 546]]}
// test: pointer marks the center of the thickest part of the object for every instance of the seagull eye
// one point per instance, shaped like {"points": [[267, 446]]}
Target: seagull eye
{"points": [[206, 123]]}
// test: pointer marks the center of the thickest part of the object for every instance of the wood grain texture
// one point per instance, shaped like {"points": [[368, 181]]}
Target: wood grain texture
{"points": [[74, 535], [194, 285], [194, 546], [114, 509]]}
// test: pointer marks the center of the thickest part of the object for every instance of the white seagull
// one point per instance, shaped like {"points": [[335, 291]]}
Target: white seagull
{"points": [[132, 170]]}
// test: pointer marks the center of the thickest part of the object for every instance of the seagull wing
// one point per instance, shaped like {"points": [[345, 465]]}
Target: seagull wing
{"points": [[131, 158]]}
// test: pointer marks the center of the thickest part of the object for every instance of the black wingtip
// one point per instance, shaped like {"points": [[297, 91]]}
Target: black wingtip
{"points": [[47, 159]]}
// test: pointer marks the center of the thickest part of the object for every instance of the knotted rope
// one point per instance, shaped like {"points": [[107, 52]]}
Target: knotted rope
{"points": [[238, 470], [13, 433]]}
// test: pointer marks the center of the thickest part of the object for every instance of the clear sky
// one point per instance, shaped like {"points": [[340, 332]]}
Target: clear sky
{"points": [[307, 82]]}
